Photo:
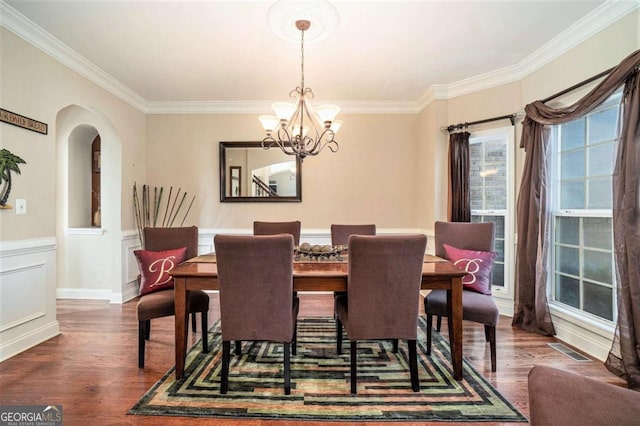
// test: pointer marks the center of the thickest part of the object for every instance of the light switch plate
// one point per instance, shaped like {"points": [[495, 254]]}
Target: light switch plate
{"points": [[21, 206]]}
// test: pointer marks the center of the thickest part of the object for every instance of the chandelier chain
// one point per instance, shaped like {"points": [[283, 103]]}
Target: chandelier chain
{"points": [[302, 61]]}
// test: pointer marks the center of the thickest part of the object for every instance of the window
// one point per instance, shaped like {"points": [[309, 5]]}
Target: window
{"points": [[583, 277], [491, 190]]}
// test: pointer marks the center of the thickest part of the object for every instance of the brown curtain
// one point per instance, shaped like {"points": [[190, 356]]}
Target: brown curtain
{"points": [[460, 200], [531, 308], [624, 357]]}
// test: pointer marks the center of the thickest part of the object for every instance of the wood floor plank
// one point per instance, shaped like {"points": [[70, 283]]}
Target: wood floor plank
{"points": [[91, 368]]}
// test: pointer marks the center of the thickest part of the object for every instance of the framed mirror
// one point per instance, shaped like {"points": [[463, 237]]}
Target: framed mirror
{"points": [[250, 173]]}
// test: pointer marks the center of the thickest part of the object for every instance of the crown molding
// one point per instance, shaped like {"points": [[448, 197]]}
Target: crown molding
{"points": [[33, 34], [600, 18], [592, 23]]}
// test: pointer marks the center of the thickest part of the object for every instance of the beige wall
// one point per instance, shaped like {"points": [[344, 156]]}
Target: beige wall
{"points": [[372, 178], [35, 85]]}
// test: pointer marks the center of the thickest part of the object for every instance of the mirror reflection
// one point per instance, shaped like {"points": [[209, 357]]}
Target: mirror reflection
{"points": [[249, 172]]}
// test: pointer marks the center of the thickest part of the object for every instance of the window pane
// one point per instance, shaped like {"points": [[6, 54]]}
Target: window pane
{"points": [[499, 248], [499, 222], [476, 197], [572, 165], [568, 260], [601, 160], [498, 274], [568, 230], [597, 266], [572, 195], [568, 291], [597, 232], [495, 196], [600, 193], [602, 126], [572, 135], [598, 300]]}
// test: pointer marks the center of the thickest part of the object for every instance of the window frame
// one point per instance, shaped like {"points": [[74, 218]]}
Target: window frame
{"points": [[595, 322], [508, 133]]}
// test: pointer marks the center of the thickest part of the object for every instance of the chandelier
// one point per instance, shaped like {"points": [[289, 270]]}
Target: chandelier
{"points": [[298, 128]]}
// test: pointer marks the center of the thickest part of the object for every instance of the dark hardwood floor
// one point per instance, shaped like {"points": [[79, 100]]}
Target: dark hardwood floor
{"points": [[91, 368]]}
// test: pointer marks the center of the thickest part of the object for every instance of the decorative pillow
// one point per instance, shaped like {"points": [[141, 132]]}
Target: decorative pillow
{"points": [[478, 264], [155, 266]]}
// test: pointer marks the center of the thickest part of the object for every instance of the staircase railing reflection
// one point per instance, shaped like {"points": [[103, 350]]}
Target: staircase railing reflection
{"points": [[261, 189]]}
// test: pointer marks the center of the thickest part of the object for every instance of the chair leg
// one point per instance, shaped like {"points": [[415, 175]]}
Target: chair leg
{"points": [[193, 321], [224, 375], [142, 331], [294, 342], [338, 336], [429, 326], [492, 346], [238, 347], [395, 346], [354, 367], [287, 369], [205, 331], [486, 333], [413, 365], [147, 334], [438, 323]]}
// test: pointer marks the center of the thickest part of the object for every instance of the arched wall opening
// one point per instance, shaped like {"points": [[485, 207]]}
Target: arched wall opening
{"points": [[89, 257]]}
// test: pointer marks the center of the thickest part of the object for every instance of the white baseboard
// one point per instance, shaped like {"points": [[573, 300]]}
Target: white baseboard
{"points": [[29, 340], [83, 293]]}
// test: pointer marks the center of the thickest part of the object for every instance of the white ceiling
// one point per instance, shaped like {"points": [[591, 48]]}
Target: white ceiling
{"points": [[382, 51]]}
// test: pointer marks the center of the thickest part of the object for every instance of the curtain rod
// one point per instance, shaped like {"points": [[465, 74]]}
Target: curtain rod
{"points": [[576, 86], [510, 117]]}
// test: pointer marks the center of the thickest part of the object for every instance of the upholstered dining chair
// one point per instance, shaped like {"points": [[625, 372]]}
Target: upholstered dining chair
{"points": [[160, 303], [340, 233], [385, 274], [476, 306], [340, 237], [273, 228], [255, 275]]}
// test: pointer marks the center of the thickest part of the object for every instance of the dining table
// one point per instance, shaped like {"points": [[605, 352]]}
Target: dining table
{"points": [[315, 275]]}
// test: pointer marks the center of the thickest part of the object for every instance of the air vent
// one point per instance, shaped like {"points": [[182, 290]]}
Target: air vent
{"points": [[568, 352]]}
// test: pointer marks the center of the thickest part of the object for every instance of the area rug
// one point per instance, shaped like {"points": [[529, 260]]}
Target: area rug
{"points": [[320, 383]]}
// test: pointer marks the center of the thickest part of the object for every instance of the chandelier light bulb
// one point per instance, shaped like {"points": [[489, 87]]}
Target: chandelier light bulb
{"points": [[327, 112], [269, 122], [335, 125], [284, 110]]}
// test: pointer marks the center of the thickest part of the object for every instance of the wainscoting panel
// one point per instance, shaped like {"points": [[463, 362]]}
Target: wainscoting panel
{"points": [[27, 294], [23, 292]]}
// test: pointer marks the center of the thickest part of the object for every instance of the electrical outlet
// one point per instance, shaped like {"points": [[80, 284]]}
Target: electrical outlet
{"points": [[21, 206]]}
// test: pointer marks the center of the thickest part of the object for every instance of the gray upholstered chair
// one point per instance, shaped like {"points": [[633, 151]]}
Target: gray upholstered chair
{"points": [[476, 307], [273, 228], [385, 274], [560, 398], [340, 233], [255, 274], [161, 303]]}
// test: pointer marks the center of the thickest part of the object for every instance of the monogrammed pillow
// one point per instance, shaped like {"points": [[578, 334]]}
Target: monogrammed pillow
{"points": [[477, 264], [155, 266]]}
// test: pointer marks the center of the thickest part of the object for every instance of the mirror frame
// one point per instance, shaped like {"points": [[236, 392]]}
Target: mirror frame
{"points": [[224, 178]]}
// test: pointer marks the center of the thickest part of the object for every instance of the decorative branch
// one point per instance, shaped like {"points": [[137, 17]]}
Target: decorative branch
{"points": [[147, 211]]}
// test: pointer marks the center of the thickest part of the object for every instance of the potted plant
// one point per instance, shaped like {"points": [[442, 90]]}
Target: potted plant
{"points": [[9, 163]]}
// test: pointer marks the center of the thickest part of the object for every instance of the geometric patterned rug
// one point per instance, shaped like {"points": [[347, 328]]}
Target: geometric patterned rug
{"points": [[320, 387]]}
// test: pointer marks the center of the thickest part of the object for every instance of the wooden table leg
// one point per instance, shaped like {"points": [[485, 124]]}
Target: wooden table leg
{"points": [[456, 327], [182, 320]]}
